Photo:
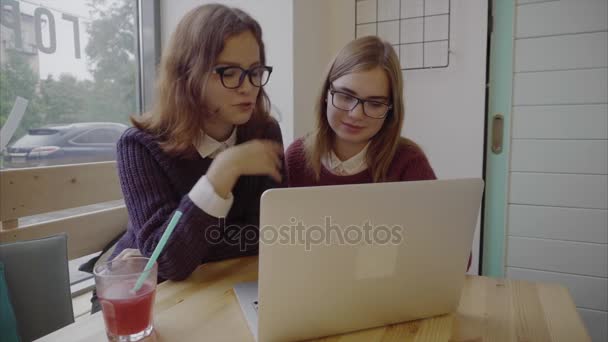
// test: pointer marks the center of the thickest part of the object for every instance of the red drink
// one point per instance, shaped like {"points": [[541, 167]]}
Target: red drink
{"points": [[126, 313]]}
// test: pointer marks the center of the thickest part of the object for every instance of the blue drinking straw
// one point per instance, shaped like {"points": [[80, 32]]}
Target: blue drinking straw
{"points": [[157, 250]]}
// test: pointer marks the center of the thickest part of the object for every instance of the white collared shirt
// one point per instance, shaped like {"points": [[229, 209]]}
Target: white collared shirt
{"points": [[353, 165], [209, 147], [202, 193]]}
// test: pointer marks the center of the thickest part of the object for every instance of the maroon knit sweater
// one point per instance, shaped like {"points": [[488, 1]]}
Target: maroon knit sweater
{"points": [[409, 164]]}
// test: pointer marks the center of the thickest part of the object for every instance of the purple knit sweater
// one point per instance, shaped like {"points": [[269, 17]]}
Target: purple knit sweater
{"points": [[155, 184]]}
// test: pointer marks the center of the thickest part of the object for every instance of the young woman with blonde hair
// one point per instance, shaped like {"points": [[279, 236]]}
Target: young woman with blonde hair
{"points": [[359, 114]]}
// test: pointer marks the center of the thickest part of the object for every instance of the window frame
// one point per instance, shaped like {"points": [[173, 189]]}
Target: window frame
{"points": [[148, 25]]}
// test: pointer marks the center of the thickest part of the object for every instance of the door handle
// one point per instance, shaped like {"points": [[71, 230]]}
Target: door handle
{"points": [[497, 133]]}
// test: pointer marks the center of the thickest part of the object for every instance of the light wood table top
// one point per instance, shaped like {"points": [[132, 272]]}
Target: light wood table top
{"points": [[204, 308]]}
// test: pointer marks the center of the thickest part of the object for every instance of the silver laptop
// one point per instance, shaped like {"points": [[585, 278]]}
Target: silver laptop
{"points": [[337, 259]]}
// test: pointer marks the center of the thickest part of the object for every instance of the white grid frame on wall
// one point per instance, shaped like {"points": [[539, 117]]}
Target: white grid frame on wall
{"points": [[419, 30]]}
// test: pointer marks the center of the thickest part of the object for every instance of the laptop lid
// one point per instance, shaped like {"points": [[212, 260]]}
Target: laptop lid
{"points": [[335, 259]]}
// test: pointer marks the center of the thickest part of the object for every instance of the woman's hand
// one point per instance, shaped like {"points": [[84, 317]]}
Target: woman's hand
{"points": [[255, 157]]}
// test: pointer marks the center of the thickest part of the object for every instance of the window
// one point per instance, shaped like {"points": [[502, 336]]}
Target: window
{"points": [[71, 74], [65, 63]]}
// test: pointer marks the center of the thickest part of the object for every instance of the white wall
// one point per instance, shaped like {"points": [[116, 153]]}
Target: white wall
{"points": [[321, 29], [445, 110], [310, 57], [276, 19], [558, 200]]}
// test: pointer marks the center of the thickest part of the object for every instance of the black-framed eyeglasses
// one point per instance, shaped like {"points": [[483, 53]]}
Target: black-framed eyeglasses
{"points": [[371, 108], [232, 77]]}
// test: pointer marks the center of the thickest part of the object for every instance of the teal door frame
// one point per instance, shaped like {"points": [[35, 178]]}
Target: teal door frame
{"points": [[497, 150]]}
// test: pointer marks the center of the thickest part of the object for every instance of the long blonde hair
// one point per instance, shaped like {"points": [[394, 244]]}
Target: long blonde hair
{"points": [[179, 112], [362, 54]]}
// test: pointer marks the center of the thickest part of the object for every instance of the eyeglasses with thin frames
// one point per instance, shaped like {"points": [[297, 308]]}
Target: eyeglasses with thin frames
{"points": [[371, 108]]}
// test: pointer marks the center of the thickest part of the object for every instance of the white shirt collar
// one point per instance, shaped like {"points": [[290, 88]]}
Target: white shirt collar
{"points": [[209, 147], [353, 165]]}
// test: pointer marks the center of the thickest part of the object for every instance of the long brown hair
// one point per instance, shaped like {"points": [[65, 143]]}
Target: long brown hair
{"points": [[362, 54], [179, 111]]}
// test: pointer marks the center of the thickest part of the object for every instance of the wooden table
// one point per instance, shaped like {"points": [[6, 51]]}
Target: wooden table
{"points": [[204, 307]]}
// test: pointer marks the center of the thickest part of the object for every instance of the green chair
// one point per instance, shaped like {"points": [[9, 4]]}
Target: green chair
{"points": [[37, 278]]}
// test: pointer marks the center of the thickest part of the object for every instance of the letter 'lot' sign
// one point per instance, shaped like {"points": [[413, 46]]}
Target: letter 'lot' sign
{"points": [[12, 20]]}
